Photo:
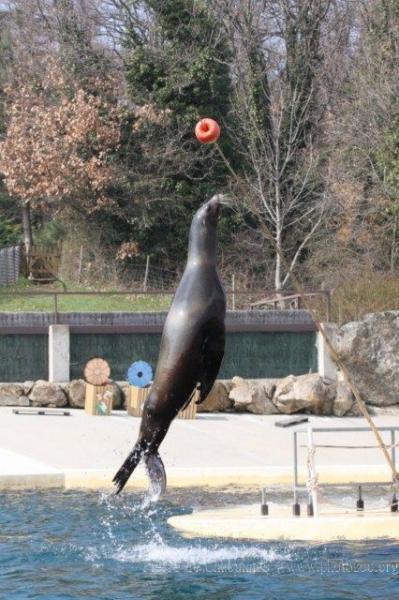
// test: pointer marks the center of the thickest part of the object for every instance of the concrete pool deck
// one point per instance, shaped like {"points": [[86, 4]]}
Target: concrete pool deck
{"points": [[245, 522], [216, 449]]}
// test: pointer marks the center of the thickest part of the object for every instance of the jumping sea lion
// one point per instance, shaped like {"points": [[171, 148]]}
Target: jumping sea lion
{"points": [[192, 348]]}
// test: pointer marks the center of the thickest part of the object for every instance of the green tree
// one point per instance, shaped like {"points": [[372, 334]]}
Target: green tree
{"points": [[178, 74], [10, 229]]}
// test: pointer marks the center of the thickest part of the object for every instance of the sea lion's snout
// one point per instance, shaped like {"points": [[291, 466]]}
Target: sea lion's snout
{"points": [[213, 209]]}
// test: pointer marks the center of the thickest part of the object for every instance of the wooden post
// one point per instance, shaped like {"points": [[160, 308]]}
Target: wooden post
{"points": [[137, 397], [98, 400]]}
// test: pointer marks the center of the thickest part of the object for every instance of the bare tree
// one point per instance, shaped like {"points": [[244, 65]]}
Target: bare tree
{"points": [[277, 66]]}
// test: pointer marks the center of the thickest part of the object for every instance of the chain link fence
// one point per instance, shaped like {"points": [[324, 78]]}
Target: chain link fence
{"points": [[10, 262]]}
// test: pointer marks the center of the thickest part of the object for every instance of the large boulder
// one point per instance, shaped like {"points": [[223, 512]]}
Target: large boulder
{"points": [[305, 393], [48, 394], [370, 350], [13, 394], [76, 392], [117, 395], [28, 385], [124, 389], [253, 395], [218, 398], [344, 400]]}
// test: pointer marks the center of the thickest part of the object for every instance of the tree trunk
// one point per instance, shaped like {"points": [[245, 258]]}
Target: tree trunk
{"points": [[27, 233], [394, 247]]}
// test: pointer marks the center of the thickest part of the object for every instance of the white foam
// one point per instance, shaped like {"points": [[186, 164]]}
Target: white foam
{"points": [[194, 556]]}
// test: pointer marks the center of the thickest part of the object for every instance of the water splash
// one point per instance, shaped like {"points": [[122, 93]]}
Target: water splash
{"points": [[153, 553], [196, 555]]}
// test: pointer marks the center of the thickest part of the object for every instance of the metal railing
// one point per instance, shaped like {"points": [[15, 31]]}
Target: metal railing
{"points": [[293, 300], [242, 299], [311, 446], [10, 262]]}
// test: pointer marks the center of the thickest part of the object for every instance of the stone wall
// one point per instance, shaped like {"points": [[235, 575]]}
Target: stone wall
{"points": [[304, 393]]}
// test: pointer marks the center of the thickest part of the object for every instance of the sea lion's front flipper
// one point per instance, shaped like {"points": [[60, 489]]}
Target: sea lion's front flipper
{"points": [[156, 473], [212, 352]]}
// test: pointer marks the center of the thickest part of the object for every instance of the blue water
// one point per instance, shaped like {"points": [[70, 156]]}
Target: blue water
{"points": [[71, 545]]}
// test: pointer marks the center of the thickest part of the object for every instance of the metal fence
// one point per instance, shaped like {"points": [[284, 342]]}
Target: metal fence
{"points": [[10, 261]]}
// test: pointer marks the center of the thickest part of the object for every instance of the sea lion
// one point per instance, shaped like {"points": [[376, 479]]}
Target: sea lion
{"points": [[192, 348]]}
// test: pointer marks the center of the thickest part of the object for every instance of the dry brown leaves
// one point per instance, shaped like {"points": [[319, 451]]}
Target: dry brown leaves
{"points": [[58, 142]]}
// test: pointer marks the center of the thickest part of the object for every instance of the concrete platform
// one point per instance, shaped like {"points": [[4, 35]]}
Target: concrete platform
{"points": [[81, 451], [245, 522], [19, 472]]}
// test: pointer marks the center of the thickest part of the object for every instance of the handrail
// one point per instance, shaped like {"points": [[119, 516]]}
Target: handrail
{"points": [[304, 430], [57, 294]]}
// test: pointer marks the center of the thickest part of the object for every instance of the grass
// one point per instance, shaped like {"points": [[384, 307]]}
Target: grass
{"points": [[352, 300], [30, 302]]}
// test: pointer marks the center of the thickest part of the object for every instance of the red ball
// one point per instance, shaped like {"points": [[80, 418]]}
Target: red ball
{"points": [[207, 131]]}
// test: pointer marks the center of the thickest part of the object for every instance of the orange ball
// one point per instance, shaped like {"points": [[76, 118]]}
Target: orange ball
{"points": [[207, 131]]}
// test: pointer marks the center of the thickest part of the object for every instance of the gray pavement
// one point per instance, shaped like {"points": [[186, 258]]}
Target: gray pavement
{"points": [[211, 443]]}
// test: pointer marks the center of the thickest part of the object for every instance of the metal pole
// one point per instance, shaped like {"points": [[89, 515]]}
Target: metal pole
{"points": [[80, 263], [147, 267], [296, 508], [312, 472], [295, 461], [393, 449], [55, 309], [233, 287]]}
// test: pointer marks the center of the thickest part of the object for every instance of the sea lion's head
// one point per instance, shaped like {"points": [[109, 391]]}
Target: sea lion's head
{"points": [[208, 213], [202, 244]]}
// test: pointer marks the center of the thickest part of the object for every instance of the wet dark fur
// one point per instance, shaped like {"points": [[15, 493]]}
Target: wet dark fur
{"points": [[192, 348]]}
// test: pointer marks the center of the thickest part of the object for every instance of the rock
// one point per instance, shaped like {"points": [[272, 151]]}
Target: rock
{"points": [[218, 398], [13, 394], [392, 410], [28, 385], [10, 393], [344, 400], [48, 394], [253, 395], [14, 401], [75, 391], [305, 393], [370, 350], [355, 410], [124, 389], [117, 395]]}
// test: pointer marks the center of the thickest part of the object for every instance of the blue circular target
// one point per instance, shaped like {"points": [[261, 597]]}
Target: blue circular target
{"points": [[139, 374]]}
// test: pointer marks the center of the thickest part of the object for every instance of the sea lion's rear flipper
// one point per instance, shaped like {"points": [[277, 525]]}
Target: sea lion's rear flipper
{"points": [[156, 473], [127, 468]]}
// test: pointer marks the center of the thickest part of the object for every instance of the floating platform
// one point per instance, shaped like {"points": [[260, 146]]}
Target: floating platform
{"points": [[246, 522]]}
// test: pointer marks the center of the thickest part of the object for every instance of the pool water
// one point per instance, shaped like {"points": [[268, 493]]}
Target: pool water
{"points": [[71, 545]]}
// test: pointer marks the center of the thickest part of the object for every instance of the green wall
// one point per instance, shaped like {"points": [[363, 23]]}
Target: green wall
{"points": [[120, 350], [247, 354], [250, 354], [271, 354], [23, 357]]}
